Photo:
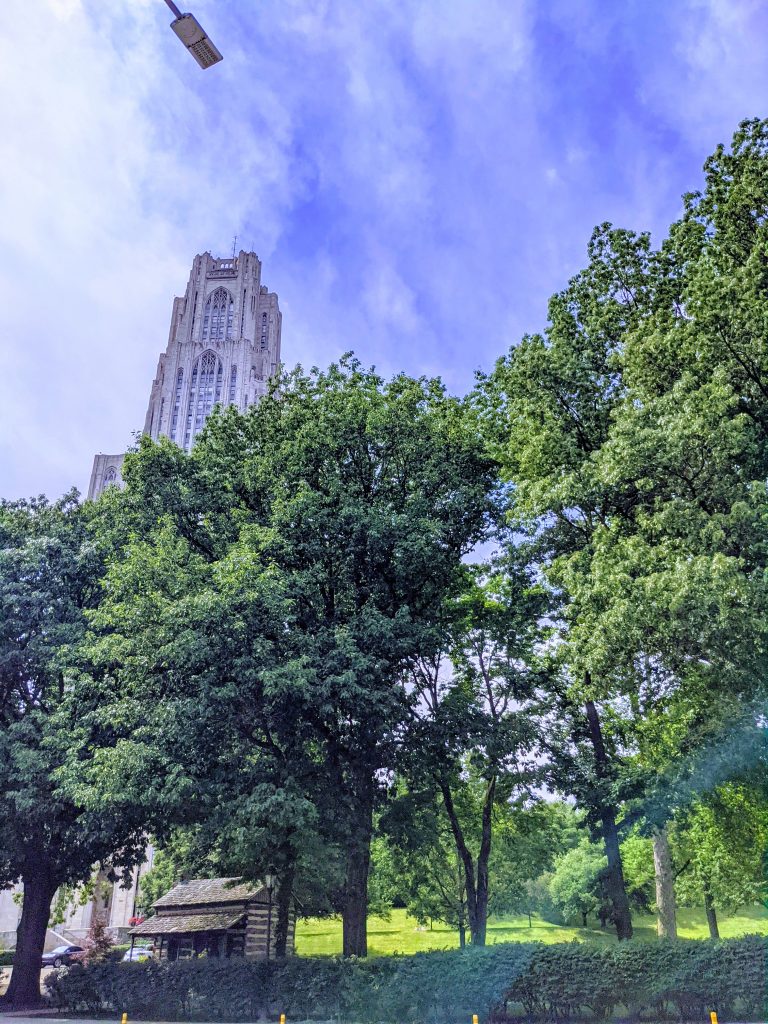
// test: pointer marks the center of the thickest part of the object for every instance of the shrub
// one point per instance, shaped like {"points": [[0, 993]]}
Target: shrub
{"points": [[679, 980], [428, 987], [663, 980], [98, 944]]}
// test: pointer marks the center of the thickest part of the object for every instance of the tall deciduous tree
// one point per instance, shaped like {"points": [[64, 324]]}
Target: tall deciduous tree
{"points": [[472, 737], [51, 572], [299, 559], [720, 844], [548, 408], [635, 435], [675, 594]]}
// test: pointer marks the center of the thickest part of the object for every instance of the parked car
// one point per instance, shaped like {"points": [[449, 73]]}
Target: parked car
{"points": [[62, 955], [138, 953]]}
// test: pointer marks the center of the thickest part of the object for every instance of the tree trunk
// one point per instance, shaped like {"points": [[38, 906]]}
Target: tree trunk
{"points": [[616, 889], [482, 889], [355, 910], [530, 920], [462, 936], [709, 907], [283, 923], [666, 908], [583, 919], [24, 989], [477, 885]]}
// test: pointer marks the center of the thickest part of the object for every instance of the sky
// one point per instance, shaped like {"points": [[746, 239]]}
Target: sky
{"points": [[417, 177]]}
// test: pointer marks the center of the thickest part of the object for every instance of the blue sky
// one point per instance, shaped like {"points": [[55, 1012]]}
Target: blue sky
{"points": [[416, 177]]}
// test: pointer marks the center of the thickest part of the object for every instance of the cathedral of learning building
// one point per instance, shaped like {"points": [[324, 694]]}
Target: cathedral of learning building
{"points": [[223, 346]]}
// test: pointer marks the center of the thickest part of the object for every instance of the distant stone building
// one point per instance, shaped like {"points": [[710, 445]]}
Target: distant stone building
{"points": [[223, 346], [111, 901], [219, 917]]}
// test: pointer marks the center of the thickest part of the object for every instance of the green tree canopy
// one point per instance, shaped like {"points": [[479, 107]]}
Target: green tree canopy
{"points": [[282, 577], [51, 573], [633, 435]]}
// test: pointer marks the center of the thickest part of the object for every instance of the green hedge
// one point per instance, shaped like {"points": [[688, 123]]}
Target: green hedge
{"points": [[656, 981], [659, 981], [6, 958]]}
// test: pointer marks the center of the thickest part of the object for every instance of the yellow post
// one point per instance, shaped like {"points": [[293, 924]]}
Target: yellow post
{"points": [[713, 1017], [474, 1019], [282, 1018], [124, 1019]]}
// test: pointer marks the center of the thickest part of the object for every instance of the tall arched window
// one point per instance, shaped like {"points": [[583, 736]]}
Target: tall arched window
{"points": [[219, 316], [264, 330], [176, 403], [110, 477], [205, 389], [232, 383]]}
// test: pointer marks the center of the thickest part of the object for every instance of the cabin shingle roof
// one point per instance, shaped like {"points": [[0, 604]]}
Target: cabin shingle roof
{"points": [[203, 891], [186, 923]]}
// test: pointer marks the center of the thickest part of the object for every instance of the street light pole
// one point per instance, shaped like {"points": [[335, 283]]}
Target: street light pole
{"points": [[174, 8], [270, 883]]}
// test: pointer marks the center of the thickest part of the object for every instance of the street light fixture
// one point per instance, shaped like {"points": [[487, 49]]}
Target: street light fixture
{"points": [[190, 32]]}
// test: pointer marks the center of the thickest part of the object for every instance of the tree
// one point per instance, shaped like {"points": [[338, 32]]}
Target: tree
{"points": [[299, 559], [426, 862], [196, 681], [547, 410], [98, 942], [575, 885], [635, 437], [579, 884], [720, 843], [472, 739], [678, 593], [51, 573], [527, 842], [156, 882]]}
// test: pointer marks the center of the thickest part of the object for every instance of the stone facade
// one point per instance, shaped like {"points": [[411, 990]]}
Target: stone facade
{"points": [[223, 346], [107, 469]]}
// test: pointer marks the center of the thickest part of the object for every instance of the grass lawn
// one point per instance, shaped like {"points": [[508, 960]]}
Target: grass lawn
{"points": [[401, 934]]}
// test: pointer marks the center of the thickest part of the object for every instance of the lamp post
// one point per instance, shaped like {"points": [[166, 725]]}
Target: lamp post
{"points": [[191, 33], [269, 881]]}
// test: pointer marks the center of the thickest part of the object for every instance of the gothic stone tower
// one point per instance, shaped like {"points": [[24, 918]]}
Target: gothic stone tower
{"points": [[223, 346]]}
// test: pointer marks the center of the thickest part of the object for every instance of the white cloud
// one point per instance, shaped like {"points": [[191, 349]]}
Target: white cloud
{"points": [[114, 172], [712, 71], [389, 301]]}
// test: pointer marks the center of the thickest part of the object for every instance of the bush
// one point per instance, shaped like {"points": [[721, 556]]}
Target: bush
{"points": [[429, 987], [664, 980], [99, 944], [6, 958]]}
